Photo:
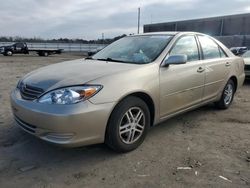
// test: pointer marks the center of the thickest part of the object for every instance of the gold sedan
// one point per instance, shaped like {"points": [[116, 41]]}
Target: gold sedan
{"points": [[116, 95]]}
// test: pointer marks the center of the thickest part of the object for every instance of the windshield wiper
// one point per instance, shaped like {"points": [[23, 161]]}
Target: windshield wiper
{"points": [[110, 59]]}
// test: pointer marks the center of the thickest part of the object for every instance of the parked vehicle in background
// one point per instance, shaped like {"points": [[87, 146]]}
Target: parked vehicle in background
{"points": [[116, 95], [22, 48], [238, 50], [17, 48], [246, 57], [91, 53]]}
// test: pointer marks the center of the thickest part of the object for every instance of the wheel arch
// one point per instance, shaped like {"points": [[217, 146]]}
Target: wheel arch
{"points": [[110, 140], [235, 80], [143, 96], [150, 103]]}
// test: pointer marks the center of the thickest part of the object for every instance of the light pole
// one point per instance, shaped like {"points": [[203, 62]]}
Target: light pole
{"points": [[102, 38], [139, 15]]}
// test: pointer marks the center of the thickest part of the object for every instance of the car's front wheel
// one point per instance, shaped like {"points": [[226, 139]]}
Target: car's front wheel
{"points": [[8, 53], [227, 95], [128, 125]]}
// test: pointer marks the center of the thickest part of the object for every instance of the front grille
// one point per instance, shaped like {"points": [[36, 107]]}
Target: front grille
{"points": [[29, 92], [27, 127], [247, 67]]}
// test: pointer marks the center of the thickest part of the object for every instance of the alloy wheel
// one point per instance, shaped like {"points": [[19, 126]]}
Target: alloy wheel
{"points": [[228, 94], [132, 125]]}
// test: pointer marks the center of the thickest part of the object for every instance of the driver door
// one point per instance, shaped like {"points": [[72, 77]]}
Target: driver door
{"points": [[182, 86], [18, 47]]}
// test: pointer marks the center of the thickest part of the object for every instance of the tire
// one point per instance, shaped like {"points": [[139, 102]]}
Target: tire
{"points": [[124, 133], [45, 54], [9, 53], [227, 95]]}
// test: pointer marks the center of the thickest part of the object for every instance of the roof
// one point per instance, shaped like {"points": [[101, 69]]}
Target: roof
{"points": [[160, 33], [168, 33]]}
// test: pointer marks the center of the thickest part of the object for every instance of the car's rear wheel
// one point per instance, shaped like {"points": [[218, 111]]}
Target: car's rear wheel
{"points": [[46, 54], [128, 125], [227, 95]]}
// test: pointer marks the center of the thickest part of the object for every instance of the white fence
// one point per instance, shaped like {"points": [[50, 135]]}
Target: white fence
{"points": [[67, 47]]}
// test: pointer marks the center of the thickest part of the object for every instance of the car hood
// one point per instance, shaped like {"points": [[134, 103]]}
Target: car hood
{"points": [[74, 72], [247, 61], [6, 46]]}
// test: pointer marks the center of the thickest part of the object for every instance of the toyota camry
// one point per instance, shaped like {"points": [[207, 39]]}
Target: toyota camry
{"points": [[116, 95]]}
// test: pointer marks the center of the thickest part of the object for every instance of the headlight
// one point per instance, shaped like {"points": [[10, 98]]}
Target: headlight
{"points": [[19, 84], [70, 95]]}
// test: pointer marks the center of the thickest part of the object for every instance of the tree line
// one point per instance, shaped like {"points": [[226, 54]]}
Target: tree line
{"points": [[60, 40]]}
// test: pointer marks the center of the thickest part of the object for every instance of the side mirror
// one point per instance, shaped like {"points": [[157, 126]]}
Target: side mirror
{"points": [[175, 60]]}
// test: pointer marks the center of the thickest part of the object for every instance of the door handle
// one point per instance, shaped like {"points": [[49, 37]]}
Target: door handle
{"points": [[227, 64], [200, 69]]}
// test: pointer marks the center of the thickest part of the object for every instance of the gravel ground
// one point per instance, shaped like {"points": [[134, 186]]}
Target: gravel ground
{"points": [[213, 144]]}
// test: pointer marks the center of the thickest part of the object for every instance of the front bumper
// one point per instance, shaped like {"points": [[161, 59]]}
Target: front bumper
{"points": [[74, 125]]}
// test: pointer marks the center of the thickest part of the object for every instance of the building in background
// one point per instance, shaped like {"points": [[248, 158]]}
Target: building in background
{"points": [[233, 30]]}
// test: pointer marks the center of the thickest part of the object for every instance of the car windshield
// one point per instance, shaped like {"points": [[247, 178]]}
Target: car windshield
{"points": [[246, 54], [134, 49]]}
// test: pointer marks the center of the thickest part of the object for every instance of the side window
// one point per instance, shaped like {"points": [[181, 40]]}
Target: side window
{"points": [[19, 45], [186, 45], [222, 53], [209, 47]]}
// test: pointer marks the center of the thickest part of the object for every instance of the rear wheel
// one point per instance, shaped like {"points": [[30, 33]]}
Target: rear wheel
{"points": [[227, 95], [43, 53], [128, 125], [46, 54]]}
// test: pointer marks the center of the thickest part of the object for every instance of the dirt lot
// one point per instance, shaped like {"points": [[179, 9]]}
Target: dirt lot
{"points": [[213, 143]]}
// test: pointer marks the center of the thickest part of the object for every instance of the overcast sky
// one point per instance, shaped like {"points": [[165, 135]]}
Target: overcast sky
{"points": [[88, 19]]}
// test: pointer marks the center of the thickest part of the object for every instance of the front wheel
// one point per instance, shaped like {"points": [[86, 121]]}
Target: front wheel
{"points": [[227, 95], [128, 125], [9, 53]]}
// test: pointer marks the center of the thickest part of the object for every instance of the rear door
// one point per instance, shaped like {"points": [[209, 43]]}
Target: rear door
{"points": [[217, 66], [181, 86]]}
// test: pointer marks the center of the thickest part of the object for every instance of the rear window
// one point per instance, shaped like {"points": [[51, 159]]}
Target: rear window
{"points": [[222, 53], [210, 49]]}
